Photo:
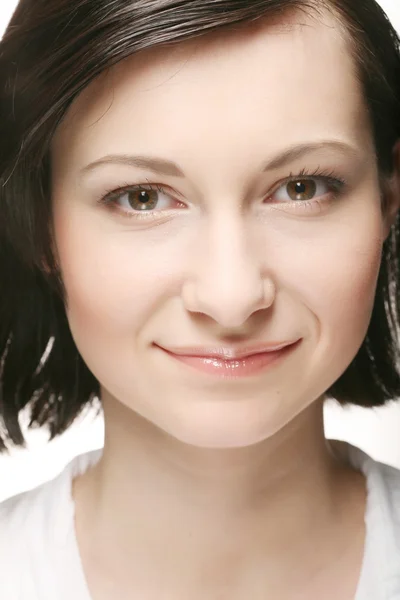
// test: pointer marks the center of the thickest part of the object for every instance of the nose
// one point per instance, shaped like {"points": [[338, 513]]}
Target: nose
{"points": [[229, 280]]}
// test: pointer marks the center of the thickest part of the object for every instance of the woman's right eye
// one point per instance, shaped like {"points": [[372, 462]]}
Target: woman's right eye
{"points": [[141, 199]]}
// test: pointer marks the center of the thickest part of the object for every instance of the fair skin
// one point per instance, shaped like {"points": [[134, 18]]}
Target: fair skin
{"points": [[210, 487]]}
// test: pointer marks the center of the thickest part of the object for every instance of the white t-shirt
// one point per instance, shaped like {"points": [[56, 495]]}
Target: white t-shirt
{"points": [[39, 556]]}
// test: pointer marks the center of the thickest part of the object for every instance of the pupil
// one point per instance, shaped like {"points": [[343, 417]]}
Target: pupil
{"points": [[302, 189], [143, 197]]}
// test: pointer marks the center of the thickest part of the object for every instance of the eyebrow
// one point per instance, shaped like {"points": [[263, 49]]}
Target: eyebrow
{"points": [[169, 168]]}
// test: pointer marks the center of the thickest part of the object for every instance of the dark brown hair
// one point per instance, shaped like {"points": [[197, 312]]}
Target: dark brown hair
{"points": [[50, 52]]}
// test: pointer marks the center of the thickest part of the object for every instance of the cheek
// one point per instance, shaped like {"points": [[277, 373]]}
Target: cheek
{"points": [[339, 283], [113, 286]]}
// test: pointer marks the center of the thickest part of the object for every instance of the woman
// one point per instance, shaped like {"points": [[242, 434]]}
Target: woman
{"points": [[199, 227]]}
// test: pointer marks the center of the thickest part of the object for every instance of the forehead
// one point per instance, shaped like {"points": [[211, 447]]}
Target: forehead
{"points": [[279, 81]]}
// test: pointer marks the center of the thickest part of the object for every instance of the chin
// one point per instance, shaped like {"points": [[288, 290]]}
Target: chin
{"points": [[219, 435]]}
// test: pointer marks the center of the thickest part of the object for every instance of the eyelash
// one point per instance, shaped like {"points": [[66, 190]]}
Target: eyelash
{"points": [[334, 181]]}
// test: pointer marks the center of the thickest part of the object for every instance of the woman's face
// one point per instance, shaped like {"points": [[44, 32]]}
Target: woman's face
{"points": [[267, 229]]}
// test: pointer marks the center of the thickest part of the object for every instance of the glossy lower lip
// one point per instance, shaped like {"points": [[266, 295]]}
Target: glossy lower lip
{"points": [[235, 368]]}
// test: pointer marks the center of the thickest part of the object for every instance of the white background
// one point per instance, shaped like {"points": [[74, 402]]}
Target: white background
{"points": [[376, 431]]}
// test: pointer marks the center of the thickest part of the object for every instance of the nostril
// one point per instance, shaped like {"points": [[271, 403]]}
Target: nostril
{"points": [[230, 303]]}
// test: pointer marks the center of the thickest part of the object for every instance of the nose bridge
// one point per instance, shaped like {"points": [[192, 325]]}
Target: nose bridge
{"points": [[228, 283]]}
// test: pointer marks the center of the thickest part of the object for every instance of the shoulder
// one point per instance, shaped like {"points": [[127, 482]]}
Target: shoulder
{"points": [[383, 481], [382, 518], [23, 528], [39, 508], [383, 485], [34, 526], [380, 576], [19, 513]]}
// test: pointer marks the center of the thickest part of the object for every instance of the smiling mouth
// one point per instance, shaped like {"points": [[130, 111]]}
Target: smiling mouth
{"points": [[218, 364]]}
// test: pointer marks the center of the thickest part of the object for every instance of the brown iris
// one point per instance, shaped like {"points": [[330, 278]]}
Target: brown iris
{"points": [[143, 199], [302, 189]]}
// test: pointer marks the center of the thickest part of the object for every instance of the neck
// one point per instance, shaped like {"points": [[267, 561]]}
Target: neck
{"points": [[150, 491]]}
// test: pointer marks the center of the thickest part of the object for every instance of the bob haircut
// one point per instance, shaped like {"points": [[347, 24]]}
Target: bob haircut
{"points": [[50, 52]]}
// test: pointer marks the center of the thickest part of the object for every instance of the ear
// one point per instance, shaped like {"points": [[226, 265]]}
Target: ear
{"points": [[392, 193]]}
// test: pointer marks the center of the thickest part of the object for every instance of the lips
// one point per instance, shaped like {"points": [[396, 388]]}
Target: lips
{"points": [[229, 362], [227, 353]]}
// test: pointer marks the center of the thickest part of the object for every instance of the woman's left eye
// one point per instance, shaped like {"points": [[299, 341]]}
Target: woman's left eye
{"points": [[306, 189]]}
